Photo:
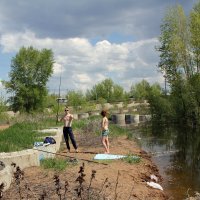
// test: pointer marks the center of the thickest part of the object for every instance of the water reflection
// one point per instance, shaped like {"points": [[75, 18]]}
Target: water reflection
{"points": [[177, 153]]}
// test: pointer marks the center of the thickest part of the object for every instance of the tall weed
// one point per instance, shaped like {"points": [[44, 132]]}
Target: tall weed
{"points": [[18, 137]]}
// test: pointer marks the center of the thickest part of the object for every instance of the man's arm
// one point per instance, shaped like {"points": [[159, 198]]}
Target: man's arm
{"points": [[60, 119], [71, 117]]}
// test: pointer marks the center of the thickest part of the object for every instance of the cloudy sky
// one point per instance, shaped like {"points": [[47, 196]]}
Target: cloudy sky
{"points": [[91, 39]]}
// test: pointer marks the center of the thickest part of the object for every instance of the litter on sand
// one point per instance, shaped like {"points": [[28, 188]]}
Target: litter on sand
{"points": [[37, 144], [154, 185], [153, 177]]}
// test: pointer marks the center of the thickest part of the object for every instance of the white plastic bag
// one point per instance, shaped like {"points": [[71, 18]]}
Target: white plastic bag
{"points": [[155, 185]]}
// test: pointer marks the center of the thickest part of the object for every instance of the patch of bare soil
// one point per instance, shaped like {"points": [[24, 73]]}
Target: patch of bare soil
{"points": [[116, 179], [4, 126]]}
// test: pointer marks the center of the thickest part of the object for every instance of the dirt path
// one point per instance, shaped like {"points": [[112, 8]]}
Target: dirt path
{"points": [[4, 126], [124, 181]]}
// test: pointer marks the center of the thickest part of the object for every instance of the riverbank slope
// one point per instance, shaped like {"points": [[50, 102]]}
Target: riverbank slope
{"points": [[123, 180]]}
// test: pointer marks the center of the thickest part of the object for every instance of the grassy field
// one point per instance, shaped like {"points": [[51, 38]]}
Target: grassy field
{"points": [[24, 131]]}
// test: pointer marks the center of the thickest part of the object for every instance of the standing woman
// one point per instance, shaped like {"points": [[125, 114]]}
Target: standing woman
{"points": [[105, 131], [67, 129]]}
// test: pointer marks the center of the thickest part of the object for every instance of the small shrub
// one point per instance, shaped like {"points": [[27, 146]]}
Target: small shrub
{"points": [[22, 135], [18, 137], [78, 124], [117, 130], [4, 118], [131, 159], [56, 163]]}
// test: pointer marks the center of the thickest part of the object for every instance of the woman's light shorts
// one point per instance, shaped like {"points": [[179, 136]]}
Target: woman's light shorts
{"points": [[105, 133]]}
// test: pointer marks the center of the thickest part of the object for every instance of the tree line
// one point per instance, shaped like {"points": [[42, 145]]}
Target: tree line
{"points": [[179, 51], [30, 71]]}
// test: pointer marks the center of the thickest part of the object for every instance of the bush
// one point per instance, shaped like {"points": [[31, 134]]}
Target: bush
{"points": [[56, 163], [131, 159]]}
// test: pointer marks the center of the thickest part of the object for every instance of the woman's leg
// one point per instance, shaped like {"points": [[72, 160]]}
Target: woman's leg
{"points": [[107, 144], [66, 137], [103, 140]]}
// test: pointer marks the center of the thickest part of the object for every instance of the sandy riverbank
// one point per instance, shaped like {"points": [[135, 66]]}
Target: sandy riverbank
{"points": [[127, 181]]}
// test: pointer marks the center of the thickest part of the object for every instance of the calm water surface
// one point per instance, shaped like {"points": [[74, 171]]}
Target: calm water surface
{"points": [[176, 152]]}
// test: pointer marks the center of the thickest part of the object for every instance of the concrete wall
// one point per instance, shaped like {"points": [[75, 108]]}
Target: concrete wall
{"points": [[29, 157], [94, 113], [25, 158], [6, 176], [122, 119], [83, 115]]}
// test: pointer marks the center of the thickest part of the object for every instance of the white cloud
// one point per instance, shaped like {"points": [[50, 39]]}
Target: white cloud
{"points": [[3, 92], [82, 64], [82, 78], [58, 69], [91, 40], [1, 86]]}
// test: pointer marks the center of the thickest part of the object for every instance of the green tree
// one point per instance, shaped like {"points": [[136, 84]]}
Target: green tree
{"points": [[4, 118], [180, 61], [2, 104], [195, 36], [107, 90], [140, 90], [51, 102], [160, 107], [76, 99], [30, 71], [175, 58]]}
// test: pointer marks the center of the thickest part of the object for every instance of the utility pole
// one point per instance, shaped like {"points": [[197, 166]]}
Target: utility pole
{"points": [[58, 100]]}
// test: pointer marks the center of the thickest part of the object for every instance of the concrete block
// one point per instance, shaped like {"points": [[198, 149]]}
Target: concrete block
{"points": [[28, 158], [6, 176], [23, 159], [83, 115]]}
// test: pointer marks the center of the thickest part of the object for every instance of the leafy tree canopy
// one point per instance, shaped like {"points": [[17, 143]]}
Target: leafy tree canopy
{"points": [[76, 99], [140, 90], [107, 90], [30, 71]]}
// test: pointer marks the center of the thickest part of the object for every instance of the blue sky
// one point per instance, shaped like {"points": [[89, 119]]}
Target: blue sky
{"points": [[91, 39]]}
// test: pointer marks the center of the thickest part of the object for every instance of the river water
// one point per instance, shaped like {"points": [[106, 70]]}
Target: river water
{"points": [[176, 152]]}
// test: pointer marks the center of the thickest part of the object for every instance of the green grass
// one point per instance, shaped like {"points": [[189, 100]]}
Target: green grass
{"points": [[116, 130], [18, 137], [81, 123], [42, 120], [92, 124], [56, 164], [23, 134], [131, 159], [78, 124]]}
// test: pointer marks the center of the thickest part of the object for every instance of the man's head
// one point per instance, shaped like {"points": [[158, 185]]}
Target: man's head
{"points": [[66, 109]]}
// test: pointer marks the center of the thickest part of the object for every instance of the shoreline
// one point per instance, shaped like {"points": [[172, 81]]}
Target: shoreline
{"points": [[128, 181]]}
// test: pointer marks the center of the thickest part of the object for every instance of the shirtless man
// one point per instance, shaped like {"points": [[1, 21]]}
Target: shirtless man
{"points": [[67, 129]]}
